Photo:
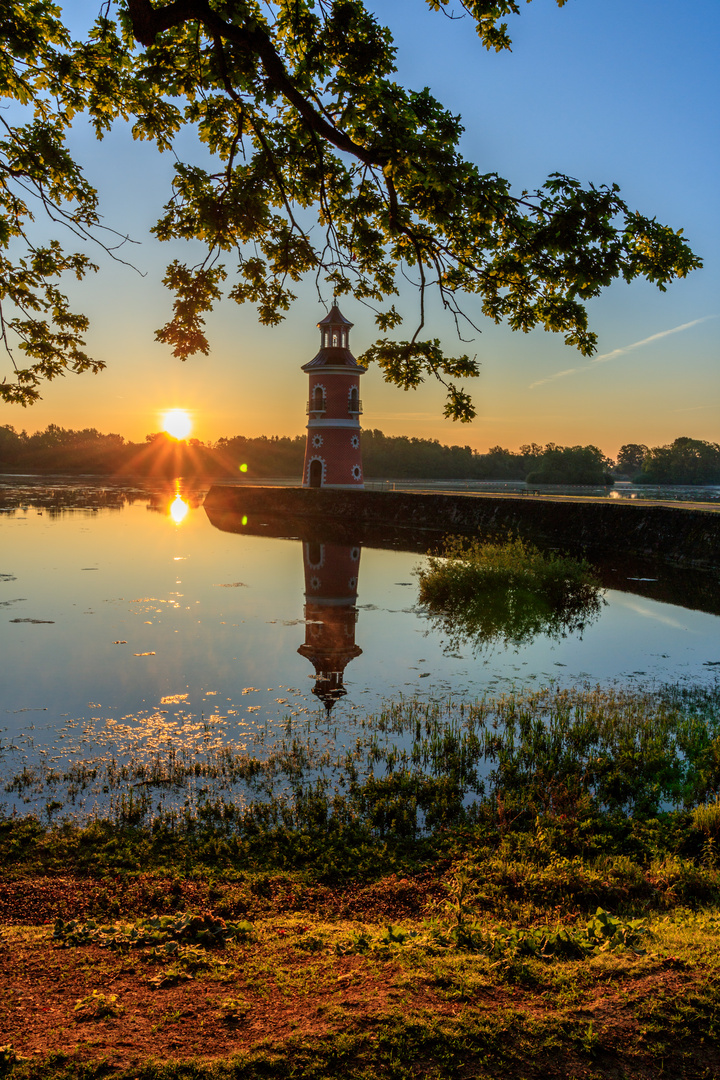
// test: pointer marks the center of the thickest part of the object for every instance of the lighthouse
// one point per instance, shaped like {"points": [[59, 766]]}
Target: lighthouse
{"points": [[331, 578], [332, 454]]}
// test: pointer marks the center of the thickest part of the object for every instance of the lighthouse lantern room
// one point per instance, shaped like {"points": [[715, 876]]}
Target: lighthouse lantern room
{"points": [[332, 454]]}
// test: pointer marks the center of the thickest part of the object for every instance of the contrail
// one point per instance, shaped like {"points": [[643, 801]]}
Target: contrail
{"points": [[603, 359]]}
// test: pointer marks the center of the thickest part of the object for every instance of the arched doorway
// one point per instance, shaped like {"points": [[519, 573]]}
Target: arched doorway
{"points": [[316, 471]]}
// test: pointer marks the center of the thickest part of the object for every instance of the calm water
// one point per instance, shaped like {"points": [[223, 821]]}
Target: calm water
{"points": [[127, 617]]}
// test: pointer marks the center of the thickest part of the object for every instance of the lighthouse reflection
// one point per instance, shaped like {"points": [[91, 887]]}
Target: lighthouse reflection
{"points": [[331, 578]]}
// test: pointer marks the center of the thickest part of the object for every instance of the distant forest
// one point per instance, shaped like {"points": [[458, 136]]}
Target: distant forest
{"points": [[64, 451]]}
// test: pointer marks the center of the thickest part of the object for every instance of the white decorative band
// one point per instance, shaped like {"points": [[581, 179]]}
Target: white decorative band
{"points": [[334, 423]]}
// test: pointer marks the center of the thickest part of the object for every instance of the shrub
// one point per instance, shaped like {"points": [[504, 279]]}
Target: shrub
{"points": [[508, 591]]}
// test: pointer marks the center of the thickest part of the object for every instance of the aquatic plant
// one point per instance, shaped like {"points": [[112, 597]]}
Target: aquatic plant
{"points": [[479, 592], [582, 770]]}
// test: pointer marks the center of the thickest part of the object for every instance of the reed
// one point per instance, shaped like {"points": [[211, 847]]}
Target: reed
{"points": [[591, 766]]}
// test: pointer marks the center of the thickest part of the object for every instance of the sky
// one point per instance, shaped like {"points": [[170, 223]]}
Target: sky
{"points": [[602, 90]]}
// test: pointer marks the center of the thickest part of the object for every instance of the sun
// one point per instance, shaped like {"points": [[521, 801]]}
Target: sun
{"points": [[177, 422]]}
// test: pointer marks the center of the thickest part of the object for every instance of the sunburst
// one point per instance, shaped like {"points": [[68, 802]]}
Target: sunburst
{"points": [[178, 423]]}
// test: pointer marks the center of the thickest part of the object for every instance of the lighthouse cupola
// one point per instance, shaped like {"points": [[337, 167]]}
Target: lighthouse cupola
{"points": [[332, 454], [334, 330]]}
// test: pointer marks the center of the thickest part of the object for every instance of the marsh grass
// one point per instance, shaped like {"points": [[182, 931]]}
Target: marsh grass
{"points": [[481, 592], [706, 818], [566, 793]]}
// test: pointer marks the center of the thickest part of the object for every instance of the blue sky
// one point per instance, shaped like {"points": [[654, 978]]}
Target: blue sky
{"points": [[604, 90]]}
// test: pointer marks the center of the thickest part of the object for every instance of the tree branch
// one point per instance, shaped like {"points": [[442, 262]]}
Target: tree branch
{"points": [[148, 22]]}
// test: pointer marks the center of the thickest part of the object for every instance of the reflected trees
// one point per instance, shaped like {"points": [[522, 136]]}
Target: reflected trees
{"points": [[482, 593]]}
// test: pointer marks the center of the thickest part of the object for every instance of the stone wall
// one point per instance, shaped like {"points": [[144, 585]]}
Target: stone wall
{"points": [[678, 535]]}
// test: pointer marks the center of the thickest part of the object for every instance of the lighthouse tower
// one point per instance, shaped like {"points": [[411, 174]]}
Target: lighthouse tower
{"points": [[331, 577], [332, 454]]}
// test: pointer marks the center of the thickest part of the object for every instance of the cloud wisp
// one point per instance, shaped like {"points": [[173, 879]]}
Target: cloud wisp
{"points": [[615, 353], [698, 408]]}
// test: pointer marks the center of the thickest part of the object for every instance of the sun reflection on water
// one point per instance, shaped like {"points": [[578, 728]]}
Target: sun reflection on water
{"points": [[178, 508]]}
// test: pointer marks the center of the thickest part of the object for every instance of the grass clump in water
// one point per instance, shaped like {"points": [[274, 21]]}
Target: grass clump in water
{"points": [[507, 591], [570, 773]]}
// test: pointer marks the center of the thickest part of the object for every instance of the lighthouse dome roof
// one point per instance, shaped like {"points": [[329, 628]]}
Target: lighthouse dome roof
{"points": [[334, 357], [335, 317]]}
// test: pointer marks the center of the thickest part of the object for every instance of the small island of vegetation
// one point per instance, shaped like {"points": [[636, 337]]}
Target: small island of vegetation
{"points": [[482, 592]]}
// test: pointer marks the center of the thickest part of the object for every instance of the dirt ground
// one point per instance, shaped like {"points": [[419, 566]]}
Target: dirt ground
{"points": [[131, 1005]]}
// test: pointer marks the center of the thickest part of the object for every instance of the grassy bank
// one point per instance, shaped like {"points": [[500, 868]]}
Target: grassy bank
{"points": [[525, 887]]}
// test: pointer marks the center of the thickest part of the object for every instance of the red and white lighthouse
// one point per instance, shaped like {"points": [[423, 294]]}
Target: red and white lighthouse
{"points": [[331, 580], [332, 454]]}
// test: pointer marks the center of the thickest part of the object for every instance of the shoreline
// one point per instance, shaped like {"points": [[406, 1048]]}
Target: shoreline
{"points": [[678, 535]]}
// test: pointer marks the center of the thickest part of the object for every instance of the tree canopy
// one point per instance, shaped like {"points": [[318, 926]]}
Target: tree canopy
{"points": [[685, 461], [586, 465], [317, 162], [630, 457]]}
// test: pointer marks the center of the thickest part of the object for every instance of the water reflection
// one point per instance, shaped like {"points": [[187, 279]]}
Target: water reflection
{"points": [[654, 579], [331, 579], [174, 501], [166, 659], [178, 509], [512, 617]]}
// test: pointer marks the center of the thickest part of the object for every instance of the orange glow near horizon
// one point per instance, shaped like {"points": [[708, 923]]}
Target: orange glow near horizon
{"points": [[178, 423]]}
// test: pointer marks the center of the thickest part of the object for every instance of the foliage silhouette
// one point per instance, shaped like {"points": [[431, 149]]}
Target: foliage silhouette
{"points": [[571, 465], [315, 161], [685, 461], [89, 451]]}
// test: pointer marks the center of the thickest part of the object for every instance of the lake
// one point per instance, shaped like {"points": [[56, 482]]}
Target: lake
{"points": [[131, 627]]}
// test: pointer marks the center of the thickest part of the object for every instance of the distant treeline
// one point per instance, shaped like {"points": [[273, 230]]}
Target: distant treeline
{"points": [[685, 461], [61, 450]]}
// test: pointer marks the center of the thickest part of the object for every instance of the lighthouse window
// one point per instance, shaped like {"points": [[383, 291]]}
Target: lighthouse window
{"points": [[318, 398], [317, 440], [335, 340], [315, 554], [356, 472], [344, 339], [355, 442], [353, 406]]}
